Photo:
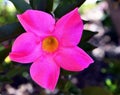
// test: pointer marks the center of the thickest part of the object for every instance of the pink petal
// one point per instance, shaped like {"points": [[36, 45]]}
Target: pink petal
{"points": [[25, 48], [73, 59], [70, 28], [37, 22], [45, 72]]}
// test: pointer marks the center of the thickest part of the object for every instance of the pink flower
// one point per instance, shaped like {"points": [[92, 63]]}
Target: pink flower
{"points": [[50, 45]]}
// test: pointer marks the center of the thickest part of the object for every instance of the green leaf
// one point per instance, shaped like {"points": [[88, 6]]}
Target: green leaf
{"points": [[66, 6], [67, 73], [107, 21], [21, 5], [87, 35], [67, 85], [43, 5], [3, 54], [4, 79], [12, 72], [85, 21], [75, 90], [95, 91], [10, 31], [86, 46]]}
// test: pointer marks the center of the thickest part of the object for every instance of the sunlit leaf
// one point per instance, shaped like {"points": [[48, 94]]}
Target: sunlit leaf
{"points": [[66, 6]]}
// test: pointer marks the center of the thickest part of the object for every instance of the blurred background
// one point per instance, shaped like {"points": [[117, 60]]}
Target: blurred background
{"points": [[102, 21]]}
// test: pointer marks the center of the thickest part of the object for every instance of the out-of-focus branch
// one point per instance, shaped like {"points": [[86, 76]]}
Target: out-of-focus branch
{"points": [[114, 8]]}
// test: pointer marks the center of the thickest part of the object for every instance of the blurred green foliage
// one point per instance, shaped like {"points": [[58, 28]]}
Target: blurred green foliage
{"points": [[95, 91], [10, 29], [7, 15]]}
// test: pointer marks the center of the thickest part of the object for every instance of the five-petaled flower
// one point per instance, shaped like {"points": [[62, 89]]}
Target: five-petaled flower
{"points": [[50, 45]]}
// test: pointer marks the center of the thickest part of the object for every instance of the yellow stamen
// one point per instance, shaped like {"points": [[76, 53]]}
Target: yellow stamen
{"points": [[50, 44], [7, 60]]}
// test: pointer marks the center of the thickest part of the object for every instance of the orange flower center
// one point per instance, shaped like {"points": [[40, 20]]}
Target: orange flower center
{"points": [[50, 44]]}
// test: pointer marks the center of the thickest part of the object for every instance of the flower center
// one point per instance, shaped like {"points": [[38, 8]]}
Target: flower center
{"points": [[50, 44]]}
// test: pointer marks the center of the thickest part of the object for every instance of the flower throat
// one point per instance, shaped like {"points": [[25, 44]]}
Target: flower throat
{"points": [[50, 44]]}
